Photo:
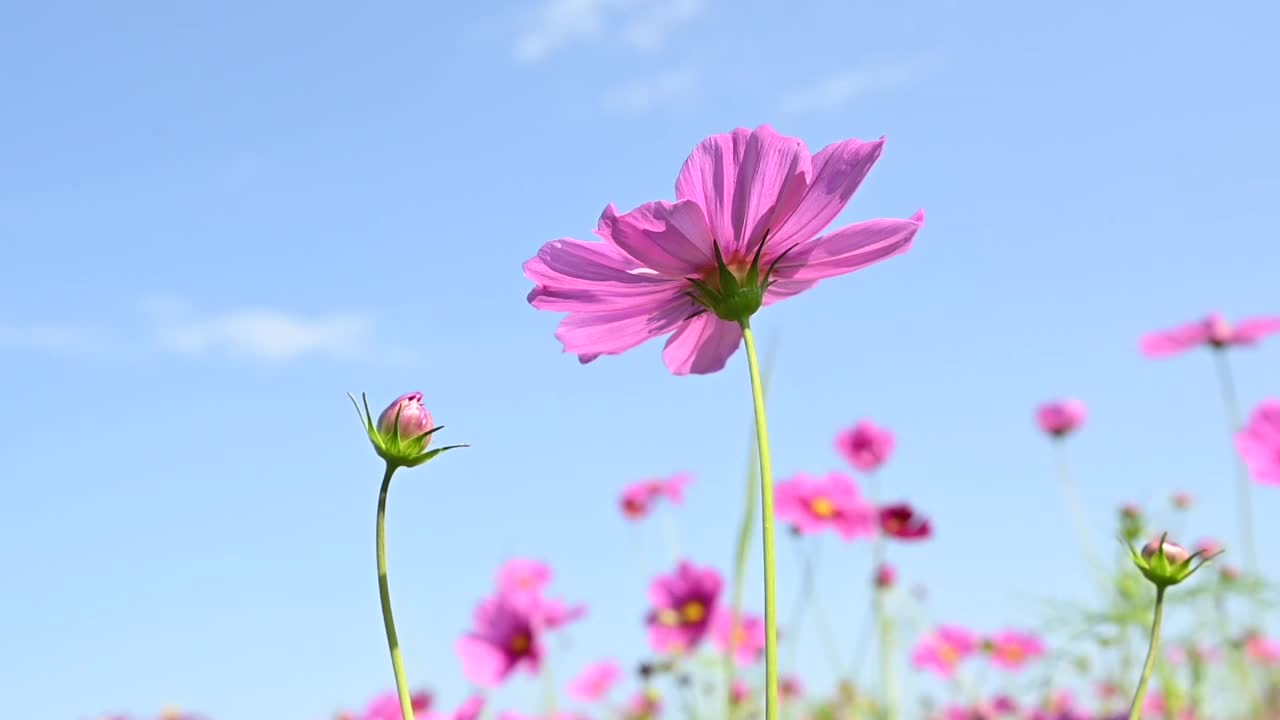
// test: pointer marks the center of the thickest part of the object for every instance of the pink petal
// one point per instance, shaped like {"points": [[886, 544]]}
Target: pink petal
{"points": [[569, 259], [618, 330], [701, 345], [670, 238], [838, 170], [1254, 329], [709, 176], [850, 248], [1172, 342], [482, 663]]}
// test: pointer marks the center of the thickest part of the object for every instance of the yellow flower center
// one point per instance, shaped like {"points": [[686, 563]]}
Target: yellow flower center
{"points": [[948, 654], [893, 525], [520, 642], [822, 507], [668, 617], [1013, 653], [693, 612], [739, 636]]}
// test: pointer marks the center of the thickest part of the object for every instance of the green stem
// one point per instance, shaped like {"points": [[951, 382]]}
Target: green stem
{"points": [[796, 623], [766, 510], [1076, 511], [1153, 651], [884, 625], [384, 594], [1232, 408]]}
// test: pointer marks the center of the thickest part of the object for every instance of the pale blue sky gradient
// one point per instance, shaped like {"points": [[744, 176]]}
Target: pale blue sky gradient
{"points": [[218, 218]]}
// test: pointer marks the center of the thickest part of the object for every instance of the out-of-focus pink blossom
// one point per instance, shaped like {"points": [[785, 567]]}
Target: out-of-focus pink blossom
{"points": [[1011, 649], [903, 522], [1259, 443], [521, 576], [638, 498], [811, 504], [684, 603], [1060, 418], [746, 638], [941, 650], [740, 693], [506, 637], [790, 688], [644, 705], [865, 446], [1213, 331], [595, 681], [1262, 650], [387, 705], [885, 576], [468, 710]]}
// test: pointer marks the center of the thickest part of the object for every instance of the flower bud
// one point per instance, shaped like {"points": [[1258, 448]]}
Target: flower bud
{"points": [[407, 416], [1182, 500], [885, 576], [402, 432], [1166, 563], [1173, 552]]}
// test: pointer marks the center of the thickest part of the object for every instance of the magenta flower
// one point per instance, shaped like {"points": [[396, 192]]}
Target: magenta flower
{"points": [[469, 710], [865, 445], [1262, 650], [683, 604], [739, 693], [885, 576], [521, 576], [1259, 443], [812, 504], [901, 521], [638, 498], [506, 637], [1213, 331], [790, 688], [748, 212], [1011, 649], [595, 681], [1060, 418], [943, 649], [413, 417], [387, 706], [746, 638]]}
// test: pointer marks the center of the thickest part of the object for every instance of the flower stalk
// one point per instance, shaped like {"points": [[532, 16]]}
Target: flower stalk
{"points": [[384, 595], [1153, 651]]}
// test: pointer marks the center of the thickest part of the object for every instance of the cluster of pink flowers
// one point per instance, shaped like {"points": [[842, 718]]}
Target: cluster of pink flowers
{"points": [[942, 650], [509, 625]]}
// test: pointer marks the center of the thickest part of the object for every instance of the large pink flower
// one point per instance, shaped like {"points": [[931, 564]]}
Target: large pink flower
{"points": [[812, 504], [746, 638], [865, 446], [506, 637], [683, 604], [595, 681], [1213, 331], [1011, 649], [1259, 443], [748, 195], [1060, 417], [941, 650]]}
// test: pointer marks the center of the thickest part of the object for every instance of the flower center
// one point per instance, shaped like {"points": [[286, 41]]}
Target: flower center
{"points": [[822, 507], [948, 654], [1013, 653], [693, 612], [739, 637], [520, 642], [893, 525]]}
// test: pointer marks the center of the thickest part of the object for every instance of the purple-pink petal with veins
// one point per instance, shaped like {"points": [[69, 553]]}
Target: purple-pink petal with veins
{"points": [[671, 238], [620, 329], [849, 248], [701, 345], [838, 170]]}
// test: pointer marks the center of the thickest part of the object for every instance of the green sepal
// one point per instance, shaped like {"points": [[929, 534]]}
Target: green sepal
{"points": [[424, 457]]}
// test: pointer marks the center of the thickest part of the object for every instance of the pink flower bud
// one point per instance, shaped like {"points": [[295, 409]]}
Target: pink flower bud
{"points": [[886, 576], [1173, 552], [1229, 573], [414, 418], [1130, 511], [1182, 500]]}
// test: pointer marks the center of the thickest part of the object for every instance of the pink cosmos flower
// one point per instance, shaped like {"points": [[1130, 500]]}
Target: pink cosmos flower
{"points": [[1182, 500], [1061, 417], [1213, 331], [812, 504], [387, 705], [901, 521], [747, 637], [521, 576], [1262, 650], [740, 693], [749, 198], [1259, 442], [865, 445], [638, 498], [1004, 705], [790, 688], [1011, 649], [942, 650], [595, 681], [506, 637], [683, 604], [469, 710], [885, 576], [644, 705]]}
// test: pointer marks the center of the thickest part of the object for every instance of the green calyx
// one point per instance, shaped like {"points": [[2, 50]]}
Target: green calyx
{"points": [[396, 450], [735, 296], [1164, 572]]}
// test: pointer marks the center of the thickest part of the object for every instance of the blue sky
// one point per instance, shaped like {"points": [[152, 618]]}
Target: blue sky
{"points": [[218, 218]]}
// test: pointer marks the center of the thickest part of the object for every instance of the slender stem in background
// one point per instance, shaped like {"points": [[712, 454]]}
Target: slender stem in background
{"points": [[1197, 684], [1235, 651], [1078, 519], [884, 624], [1153, 651], [766, 510], [796, 622], [384, 593], [1232, 407], [745, 530]]}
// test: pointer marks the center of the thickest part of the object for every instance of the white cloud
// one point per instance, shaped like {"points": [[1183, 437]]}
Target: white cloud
{"points": [[677, 86], [639, 24], [269, 335], [844, 87]]}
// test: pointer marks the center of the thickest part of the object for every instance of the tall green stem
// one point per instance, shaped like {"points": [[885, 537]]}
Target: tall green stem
{"points": [[1232, 407], [1076, 510], [1153, 651], [766, 510], [384, 593]]}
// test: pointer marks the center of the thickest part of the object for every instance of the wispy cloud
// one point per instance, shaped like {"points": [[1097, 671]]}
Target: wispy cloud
{"points": [[639, 24], [844, 87], [674, 87]]}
